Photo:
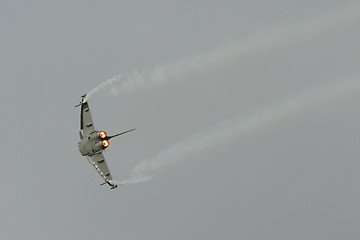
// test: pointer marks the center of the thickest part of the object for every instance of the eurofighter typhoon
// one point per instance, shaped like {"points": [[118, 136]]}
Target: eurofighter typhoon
{"points": [[92, 143]]}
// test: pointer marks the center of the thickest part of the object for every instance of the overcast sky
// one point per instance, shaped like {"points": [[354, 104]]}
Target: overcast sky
{"points": [[293, 175]]}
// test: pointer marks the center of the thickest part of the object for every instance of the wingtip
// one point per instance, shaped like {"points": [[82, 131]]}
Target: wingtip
{"points": [[112, 184], [83, 100]]}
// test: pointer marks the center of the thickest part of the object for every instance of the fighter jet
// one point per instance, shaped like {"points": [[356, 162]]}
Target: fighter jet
{"points": [[92, 143]]}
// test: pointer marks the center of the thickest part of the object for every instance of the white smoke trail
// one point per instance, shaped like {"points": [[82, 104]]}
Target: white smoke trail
{"points": [[240, 126], [258, 43]]}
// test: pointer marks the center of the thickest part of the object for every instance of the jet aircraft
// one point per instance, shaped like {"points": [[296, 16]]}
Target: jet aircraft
{"points": [[92, 143]]}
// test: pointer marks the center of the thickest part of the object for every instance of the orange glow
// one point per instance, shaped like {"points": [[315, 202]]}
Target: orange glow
{"points": [[103, 134], [105, 143]]}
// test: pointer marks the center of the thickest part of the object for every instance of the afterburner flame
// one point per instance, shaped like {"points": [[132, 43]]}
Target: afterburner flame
{"points": [[105, 143], [103, 134]]}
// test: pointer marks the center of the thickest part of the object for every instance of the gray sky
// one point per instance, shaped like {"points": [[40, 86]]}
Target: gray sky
{"points": [[291, 177]]}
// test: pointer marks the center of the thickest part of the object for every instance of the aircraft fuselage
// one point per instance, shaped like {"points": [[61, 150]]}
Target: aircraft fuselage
{"points": [[92, 144]]}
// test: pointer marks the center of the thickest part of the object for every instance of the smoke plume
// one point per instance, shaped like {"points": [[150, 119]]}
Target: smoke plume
{"points": [[241, 126], [260, 42]]}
